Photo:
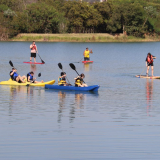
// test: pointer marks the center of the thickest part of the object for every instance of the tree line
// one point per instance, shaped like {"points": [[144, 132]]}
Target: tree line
{"points": [[131, 17]]}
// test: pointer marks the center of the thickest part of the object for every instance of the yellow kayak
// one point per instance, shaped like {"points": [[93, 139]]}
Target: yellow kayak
{"points": [[11, 82]]}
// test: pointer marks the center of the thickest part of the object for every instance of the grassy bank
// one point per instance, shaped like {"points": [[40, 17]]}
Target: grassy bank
{"points": [[91, 37]]}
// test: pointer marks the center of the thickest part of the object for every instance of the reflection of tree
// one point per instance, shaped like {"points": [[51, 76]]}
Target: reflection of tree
{"points": [[149, 94]]}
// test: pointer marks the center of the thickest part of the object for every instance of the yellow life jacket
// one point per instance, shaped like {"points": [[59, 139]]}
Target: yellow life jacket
{"points": [[78, 82], [61, 81], [86, 53]]}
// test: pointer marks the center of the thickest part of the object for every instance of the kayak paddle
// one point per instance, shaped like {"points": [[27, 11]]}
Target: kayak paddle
{"points": [[10, 62], [60, 66], [74, 68], [39, 75], [40, 58], [78, 61]]}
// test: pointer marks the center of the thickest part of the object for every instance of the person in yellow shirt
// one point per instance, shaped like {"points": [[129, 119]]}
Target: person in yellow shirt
{"points": [[86, 54]]}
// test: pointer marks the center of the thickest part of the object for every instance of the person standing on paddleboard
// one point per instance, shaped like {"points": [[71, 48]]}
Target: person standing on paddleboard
{"points": [[86, 54], [34, 51], [149, 62]]}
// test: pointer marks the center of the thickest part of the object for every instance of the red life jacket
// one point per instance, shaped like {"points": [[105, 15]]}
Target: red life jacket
{"points": [[34, 47], [150, 60]]}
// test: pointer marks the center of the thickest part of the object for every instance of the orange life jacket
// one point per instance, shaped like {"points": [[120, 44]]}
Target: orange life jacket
{"points": [[150, 60]]}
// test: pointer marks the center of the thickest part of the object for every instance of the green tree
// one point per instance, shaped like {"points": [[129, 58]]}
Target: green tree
{"points": [[39, 18]]}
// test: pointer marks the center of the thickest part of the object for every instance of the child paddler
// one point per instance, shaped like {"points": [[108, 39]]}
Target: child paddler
{"points": [[86, 54], [15, 77], [79, 81], [62, 80], [149, 62], [31, 79]]}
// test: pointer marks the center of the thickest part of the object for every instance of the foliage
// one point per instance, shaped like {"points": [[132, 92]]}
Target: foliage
{"points": [[130, 17]]}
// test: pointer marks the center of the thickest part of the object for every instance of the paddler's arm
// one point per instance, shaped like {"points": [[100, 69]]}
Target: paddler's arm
{"points": [[84, 53], [12, 73], [90, 51], [154, 57], [31, 46]]}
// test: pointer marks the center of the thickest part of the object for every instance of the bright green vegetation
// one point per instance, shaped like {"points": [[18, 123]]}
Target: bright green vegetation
{"points": [[137, 20]]}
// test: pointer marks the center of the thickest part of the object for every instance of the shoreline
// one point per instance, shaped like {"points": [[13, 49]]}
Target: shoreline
{"points": [[82, 37]]}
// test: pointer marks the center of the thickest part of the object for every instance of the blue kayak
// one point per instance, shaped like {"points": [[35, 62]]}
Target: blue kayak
{"points": [[73, 88]]}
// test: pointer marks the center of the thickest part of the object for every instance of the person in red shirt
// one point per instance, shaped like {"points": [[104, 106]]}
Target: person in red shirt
{"points": [[34, 51]]}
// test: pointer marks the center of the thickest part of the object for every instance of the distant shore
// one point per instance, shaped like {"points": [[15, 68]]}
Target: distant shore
{"points": [[83, 37]]}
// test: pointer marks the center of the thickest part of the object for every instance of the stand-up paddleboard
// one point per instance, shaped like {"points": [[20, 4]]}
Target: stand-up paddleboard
{"points": [[148, 77], [33, 63], [87, 62]]}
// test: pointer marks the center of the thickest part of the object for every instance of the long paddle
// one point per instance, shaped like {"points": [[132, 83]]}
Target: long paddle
{"points": [[40, 58], [11, 64], [78, 61], [74, 68], [60, 66]]}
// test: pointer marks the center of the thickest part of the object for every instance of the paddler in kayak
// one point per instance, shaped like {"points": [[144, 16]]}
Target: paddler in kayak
{"points": [[79, 81], [34, 51], [15, 77], [86, 54], [62, 80], [31, 79], [149, 62]]}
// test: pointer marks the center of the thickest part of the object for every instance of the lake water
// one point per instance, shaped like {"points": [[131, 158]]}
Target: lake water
{"points": [[120, 122]]}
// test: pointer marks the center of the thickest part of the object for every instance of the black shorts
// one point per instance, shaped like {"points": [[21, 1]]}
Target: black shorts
{"points": [[86, 59], [33, 55], [15, 78], [150, 64]]}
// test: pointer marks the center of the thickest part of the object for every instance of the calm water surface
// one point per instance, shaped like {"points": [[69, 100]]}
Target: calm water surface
{"points": [[120, 122]]}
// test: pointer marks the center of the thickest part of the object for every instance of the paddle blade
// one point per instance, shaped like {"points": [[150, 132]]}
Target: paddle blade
{"points": [[42, 61], [72, 66], [39, 75], [10, 62], [60, 65]]}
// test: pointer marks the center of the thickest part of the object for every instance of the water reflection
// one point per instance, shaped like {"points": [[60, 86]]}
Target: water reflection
{"points": [[87, 67], [33, 68], [149, 94], [22, 95], [77, 100]]}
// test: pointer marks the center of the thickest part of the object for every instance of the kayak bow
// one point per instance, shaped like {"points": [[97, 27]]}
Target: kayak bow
{"points": [[11, 82]]}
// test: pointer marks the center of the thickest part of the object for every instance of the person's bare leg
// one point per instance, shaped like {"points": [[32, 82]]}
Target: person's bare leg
{"points": [[24, 77], [147, 70], [152, 70], [30, 59], [85, 85], [17, 79], [21, 79], [34, 59]]}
